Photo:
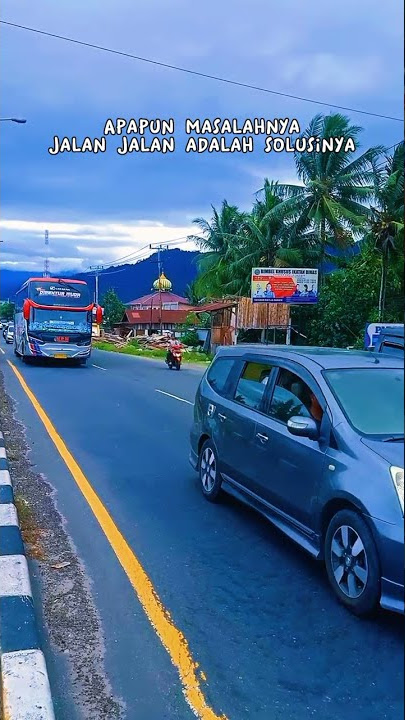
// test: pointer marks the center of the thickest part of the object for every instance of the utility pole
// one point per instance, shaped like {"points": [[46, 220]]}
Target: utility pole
{"points": [[46, 261], [97, 270], [159, 249]]}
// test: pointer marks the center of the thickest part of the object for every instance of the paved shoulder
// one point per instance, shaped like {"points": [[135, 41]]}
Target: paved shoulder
{"points": [[23, 677]]}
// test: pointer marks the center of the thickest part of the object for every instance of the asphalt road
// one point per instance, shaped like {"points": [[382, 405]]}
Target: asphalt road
{"points": [[256, 611]]}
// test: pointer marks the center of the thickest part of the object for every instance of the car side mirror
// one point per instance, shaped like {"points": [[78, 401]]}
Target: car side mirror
{"points": [[303, 427]]}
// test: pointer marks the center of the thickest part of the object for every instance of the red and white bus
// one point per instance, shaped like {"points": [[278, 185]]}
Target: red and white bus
{"points": [[53, 319]]}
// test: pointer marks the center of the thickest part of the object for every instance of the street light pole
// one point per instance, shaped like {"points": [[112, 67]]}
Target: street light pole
{"points": [[159, 248], [97, 269]]}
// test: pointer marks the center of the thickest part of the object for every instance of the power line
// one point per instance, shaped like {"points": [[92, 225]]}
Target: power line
{"points": [[180, 240], [207, 76], [142, 253]]}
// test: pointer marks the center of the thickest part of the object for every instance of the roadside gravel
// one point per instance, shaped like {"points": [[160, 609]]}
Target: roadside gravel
{"points": [[71, 619]]}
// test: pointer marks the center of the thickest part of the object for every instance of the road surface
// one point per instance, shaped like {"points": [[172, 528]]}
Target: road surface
{"points": [[256, 613]]}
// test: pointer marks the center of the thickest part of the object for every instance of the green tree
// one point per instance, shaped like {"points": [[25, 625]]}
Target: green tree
{"points": [[6, 311], [221, 236], [329, 208], [192, 293], [386, 219], [348, 300], [114, 309]]}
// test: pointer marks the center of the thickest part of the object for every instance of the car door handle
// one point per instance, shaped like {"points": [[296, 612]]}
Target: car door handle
{"points": [[222, 417], [263, 438]]}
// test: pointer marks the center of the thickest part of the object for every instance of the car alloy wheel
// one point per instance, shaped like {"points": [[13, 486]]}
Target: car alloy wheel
{"points": [[352, 562], [208, 469], [349, 562], [210, 476]]}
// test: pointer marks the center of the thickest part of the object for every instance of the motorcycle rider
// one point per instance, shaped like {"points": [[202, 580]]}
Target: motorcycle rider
{"points": [[172, 343]]}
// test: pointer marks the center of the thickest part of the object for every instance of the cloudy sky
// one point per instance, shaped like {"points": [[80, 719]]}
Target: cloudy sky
{"points": [[98, 208]]}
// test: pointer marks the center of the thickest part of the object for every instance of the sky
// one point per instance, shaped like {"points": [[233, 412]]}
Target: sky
{"points": [[101, 207]]}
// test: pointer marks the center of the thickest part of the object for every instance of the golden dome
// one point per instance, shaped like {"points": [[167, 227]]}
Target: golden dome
{"points": [[162, 283]]}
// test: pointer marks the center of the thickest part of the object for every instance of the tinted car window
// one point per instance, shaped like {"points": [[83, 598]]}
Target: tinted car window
{"points": [[391, 348], [292, 396], [372, 399], [252, 384], [218, 374]]}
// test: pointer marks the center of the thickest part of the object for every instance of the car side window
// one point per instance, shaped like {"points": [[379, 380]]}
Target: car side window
{"points": [[252, 384], [292, 396], [390, 348], [218, 374]]}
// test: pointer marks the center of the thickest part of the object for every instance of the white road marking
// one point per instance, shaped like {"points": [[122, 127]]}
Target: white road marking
{"points": [[99, 368], [8, 515], [162, 392], [2, 351], [14, 575], [26, 687], [2, 453]]}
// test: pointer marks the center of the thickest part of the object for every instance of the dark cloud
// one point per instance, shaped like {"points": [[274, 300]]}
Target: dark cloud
{"points": [[346, 53]]}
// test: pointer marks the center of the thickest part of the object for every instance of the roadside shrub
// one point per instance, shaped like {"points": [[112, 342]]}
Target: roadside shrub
{"points": [[190, 338]]}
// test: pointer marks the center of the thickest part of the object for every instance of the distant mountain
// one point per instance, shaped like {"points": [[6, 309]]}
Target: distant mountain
{"points": [[11, 281], [129, 281], [134, 280]]}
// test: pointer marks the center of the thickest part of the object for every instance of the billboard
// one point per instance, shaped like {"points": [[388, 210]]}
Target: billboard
{"points": [[373, 330], [284, 285]]}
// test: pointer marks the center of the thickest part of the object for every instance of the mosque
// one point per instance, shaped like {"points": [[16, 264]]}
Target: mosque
{"points": [[160, 310]]}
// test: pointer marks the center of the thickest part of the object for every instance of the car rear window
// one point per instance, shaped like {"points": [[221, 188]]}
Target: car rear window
{"points": [[219, 372]]}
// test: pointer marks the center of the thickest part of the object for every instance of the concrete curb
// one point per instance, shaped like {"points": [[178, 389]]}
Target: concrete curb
{"points": [[25, 689]]}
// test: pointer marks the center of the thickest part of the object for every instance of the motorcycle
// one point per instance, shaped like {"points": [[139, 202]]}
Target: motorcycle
{"points": [[174, 357]]}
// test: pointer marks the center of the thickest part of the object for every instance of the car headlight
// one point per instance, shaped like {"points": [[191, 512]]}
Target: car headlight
{"points": [[397, 475]]}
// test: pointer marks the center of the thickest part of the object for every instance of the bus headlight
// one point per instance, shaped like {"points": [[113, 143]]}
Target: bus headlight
{"points": [[397, 475]]}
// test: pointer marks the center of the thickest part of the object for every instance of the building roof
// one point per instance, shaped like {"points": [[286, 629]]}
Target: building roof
{"points": [[146, 317], [167, 297], [214, 307]]}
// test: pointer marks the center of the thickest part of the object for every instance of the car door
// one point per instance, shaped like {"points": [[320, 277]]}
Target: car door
{"points": [[289, 468], [239, 424]]}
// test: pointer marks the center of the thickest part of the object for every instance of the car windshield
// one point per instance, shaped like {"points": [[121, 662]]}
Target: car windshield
{"points": [[60, 321], [372, 399]]}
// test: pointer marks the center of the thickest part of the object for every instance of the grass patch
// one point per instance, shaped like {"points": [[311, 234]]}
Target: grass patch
{"points": [[30, 531], [133, 348]]}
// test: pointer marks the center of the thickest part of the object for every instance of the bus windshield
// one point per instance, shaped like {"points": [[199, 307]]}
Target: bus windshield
{"points": [[61, 293], [60, 321]]}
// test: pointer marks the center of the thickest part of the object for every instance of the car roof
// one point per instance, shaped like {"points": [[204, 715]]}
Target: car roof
{"points": [[323, 357], [392, 332]]}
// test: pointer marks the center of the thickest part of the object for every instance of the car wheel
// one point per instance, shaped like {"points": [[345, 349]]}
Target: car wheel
{"points": [[210, 476], [352, 563]]}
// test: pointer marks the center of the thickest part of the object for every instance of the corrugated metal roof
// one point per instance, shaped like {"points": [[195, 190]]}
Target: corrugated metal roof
{"points": [[146, 317], [167, 297]]}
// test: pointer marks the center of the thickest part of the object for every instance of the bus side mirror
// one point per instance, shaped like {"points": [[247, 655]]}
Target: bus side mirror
{"points": [[26, 310], [99, 315]]}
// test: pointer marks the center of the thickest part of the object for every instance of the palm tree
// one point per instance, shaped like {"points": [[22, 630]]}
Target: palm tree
{"points": [[386, 226], [220, 243], [329, 208], [258, 241]]}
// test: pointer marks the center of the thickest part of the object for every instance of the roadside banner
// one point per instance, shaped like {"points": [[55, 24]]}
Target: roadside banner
{"points": [[284, 285], [373, 330]]}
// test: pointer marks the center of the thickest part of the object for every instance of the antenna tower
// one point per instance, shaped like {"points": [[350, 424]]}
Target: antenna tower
{"points": [[46, 261]]}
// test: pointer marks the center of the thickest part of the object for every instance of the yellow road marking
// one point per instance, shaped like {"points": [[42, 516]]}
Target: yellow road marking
{"points": [[171, 637]]}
